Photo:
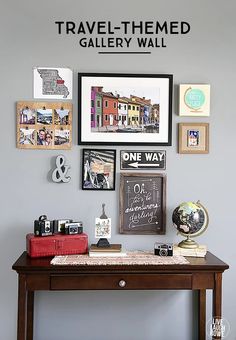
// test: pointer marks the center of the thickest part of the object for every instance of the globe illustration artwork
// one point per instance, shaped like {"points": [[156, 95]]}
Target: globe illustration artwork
{"points": [[194, 98], [190, 219]]}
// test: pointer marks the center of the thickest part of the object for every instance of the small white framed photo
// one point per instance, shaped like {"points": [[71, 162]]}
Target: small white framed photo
{"points": [[103, 228]]}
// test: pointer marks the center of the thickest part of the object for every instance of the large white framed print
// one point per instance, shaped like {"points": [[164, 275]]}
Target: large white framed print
{"points": [[123, 109]]}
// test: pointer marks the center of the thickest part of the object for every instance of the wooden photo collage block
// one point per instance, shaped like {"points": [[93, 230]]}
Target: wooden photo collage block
{"points": [[44, 125]]}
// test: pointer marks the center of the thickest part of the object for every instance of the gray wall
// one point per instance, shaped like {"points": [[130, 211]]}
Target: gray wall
{"points": [[207, 55]]}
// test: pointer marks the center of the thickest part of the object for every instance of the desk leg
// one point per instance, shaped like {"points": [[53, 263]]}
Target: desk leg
{"points": [[217, 300], [202, 314], [21, 323], [30, 315], [217, 295]]}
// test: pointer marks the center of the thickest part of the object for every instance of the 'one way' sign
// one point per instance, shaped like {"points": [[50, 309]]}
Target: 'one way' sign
{"points": [[142, 160]]}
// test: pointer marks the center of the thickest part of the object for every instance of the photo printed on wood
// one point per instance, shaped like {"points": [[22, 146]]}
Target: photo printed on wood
{"points": [[44, 125]]}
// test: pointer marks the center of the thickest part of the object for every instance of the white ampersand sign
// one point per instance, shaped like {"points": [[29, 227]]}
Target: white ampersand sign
{"points": [[59, 174]]}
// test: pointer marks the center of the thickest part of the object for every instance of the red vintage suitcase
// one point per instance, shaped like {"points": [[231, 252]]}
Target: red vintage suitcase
{"points": [[38, 246]]}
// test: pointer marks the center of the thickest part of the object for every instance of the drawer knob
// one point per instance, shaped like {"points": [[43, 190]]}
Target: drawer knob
{"points": [[122, 283]]}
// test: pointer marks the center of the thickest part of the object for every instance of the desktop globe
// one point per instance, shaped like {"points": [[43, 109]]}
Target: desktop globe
{"points": [[190, 219]]}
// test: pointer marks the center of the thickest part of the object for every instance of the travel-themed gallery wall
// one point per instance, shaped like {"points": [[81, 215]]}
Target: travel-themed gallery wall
{"points": [[123, 110]]}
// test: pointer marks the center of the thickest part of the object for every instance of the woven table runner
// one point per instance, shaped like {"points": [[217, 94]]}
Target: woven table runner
{"points": [[132, 258]]}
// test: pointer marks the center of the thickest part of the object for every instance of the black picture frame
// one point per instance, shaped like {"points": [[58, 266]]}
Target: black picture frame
{"points": [[98, 169], [139, 105]]}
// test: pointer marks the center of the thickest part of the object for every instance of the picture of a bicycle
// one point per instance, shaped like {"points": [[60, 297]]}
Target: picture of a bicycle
{"points": [[94, 176]]}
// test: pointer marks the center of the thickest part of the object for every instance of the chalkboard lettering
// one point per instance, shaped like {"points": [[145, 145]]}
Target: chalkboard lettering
{"points": [[142, 204]]}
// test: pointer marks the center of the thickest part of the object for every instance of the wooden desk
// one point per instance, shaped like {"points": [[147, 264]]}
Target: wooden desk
{"points": [[37, 274]]}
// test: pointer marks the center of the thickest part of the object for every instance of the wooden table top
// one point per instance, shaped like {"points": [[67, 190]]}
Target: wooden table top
{"points": [[26, 264]]}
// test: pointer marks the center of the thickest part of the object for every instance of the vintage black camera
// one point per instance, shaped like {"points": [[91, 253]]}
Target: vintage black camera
{"points": [[73, 228], [163, 249], [43, 227], [59, 225]]}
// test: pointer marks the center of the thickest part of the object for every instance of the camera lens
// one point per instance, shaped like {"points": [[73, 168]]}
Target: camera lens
{"points": [[47, 229], [73, 230], [163, 252]]}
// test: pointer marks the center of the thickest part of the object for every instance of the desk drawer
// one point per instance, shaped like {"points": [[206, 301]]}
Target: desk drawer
{"points": [[121, 281]]}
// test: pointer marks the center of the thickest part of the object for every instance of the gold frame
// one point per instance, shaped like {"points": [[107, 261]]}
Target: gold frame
{"points": [[203, 148]]}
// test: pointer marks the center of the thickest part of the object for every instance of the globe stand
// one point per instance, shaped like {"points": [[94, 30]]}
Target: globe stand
{"points": [[188, 243]]}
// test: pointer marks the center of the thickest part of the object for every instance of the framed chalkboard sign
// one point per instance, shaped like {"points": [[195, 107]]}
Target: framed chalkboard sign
{"points": [[142, 203]]}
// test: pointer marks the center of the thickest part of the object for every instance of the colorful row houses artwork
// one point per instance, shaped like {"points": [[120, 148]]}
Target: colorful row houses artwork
{"points": [[113, 111]]}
